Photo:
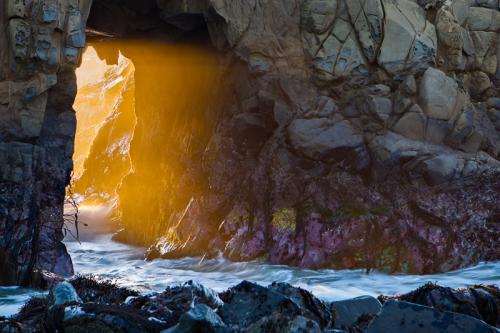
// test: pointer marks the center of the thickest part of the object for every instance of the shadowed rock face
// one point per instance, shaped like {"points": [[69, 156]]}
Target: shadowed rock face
{"points": [[86, 305], [382, 151], [358, 133], [40, 43]]}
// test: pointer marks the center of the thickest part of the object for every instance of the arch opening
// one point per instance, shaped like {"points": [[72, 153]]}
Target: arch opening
{"points": [[146, 108]]}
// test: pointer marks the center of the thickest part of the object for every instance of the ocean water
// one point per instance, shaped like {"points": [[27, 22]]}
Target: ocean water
{"points": [[101, 256]]}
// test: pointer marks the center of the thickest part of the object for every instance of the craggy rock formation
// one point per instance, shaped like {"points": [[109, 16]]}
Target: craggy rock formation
{"points": [[85, 305], [354, 133], [40, 46], [361, 134], [106, 121]]}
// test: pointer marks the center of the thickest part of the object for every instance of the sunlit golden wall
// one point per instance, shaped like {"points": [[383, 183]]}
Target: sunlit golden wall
{"points": [[174, 106], [105, 109], [101, 89]]}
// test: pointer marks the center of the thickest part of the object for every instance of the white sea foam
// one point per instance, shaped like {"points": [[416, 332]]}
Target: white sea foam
{"points": [[105, 258]]}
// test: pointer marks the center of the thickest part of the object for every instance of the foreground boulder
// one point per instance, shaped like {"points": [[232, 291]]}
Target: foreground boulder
{"points": [[316, 92], [245, 308], [91, 317], [199, 319], [171, 304], [348, 312], [278, 323], [404, 317], [312, 307], [482, 302], [248, 302]]}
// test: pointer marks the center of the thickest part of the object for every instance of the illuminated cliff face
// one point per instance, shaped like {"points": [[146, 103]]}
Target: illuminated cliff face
{"points": [[142, 125], [106, 120]]}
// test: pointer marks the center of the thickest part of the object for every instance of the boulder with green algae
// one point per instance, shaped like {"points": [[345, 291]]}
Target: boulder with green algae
{"points": [[285, 218]]}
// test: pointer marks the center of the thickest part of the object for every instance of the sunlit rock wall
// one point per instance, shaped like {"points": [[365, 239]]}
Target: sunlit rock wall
{"points": [[105, 109], [143, 125], [362, 134], [40, 46]]}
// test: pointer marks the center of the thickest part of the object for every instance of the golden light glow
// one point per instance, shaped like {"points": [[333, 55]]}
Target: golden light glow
{"points": [[100, 90], [140, 138]]}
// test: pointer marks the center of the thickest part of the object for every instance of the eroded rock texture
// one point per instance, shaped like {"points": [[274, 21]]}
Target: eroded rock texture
{"points": [[40, 45], [361, 134]]}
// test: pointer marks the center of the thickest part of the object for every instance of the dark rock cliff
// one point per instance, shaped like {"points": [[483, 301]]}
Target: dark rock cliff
{"points": [[40, 44]]}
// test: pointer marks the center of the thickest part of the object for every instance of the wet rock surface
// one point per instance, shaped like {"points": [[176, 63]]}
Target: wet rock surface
{"points": [[247, 307]]}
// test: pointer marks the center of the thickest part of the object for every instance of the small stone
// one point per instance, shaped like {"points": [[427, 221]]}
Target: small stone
{"points": [[380, 108]]}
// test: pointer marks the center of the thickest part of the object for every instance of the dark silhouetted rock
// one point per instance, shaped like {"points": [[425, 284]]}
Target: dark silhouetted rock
{"points": [[281, 323], [248, 302], [92, 290], [176, 300], [482, 302], [312, 308], [199, 319], [347, 312], [404, 317]]}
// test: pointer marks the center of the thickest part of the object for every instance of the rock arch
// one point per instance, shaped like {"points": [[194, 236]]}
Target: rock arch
{"points": [[340, 114]]}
